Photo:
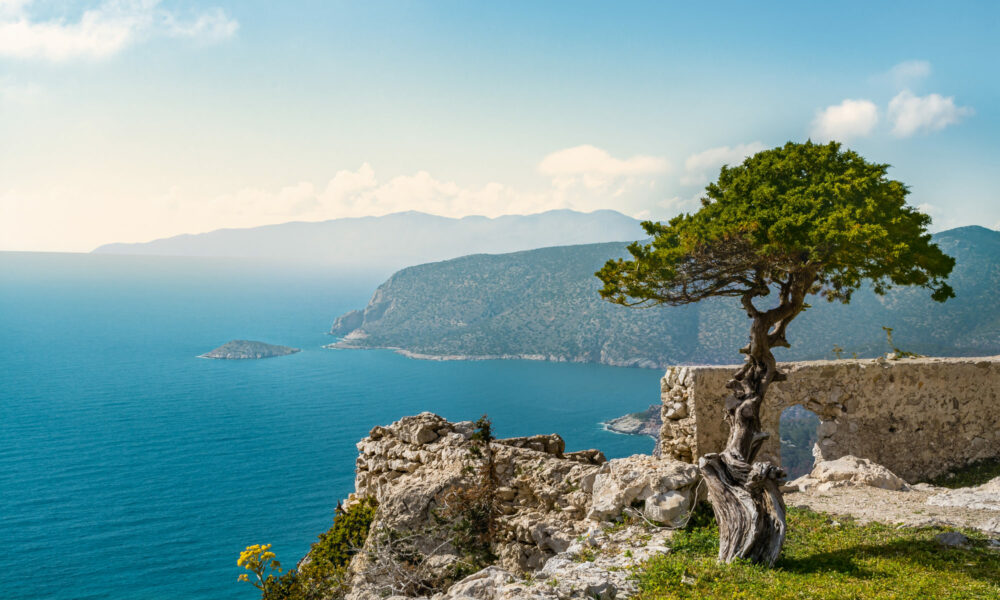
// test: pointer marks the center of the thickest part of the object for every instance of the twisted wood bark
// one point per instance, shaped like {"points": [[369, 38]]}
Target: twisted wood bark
{"points": [[745, 495]]}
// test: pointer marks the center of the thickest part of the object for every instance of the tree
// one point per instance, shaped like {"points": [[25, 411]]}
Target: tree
{"points": [[792, 221]]}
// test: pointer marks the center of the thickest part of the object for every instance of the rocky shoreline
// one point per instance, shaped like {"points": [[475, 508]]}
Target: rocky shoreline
{"points": [[647, 422], [638, 363]]}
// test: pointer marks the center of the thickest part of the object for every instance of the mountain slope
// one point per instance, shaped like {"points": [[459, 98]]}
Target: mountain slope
{"points": [[544, 304], [396, 240]]}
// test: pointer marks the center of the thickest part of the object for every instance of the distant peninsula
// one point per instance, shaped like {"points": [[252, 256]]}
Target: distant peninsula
{"points": [[544, 305], [246, 349]]}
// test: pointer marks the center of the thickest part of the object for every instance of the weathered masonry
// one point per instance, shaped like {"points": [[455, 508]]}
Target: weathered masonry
{"points": [[919, 417]]}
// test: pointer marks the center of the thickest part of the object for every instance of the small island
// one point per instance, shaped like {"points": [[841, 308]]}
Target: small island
{"points": [[246, 349], [647, 422]]}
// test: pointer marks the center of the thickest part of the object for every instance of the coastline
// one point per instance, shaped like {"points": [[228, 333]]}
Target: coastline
{"points": [[637, 363], [645, 423]]}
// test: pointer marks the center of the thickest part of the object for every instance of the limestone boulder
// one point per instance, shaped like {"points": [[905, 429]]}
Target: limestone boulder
{"points": [[620, 483], [848, 471], [482, 585], [670, 508]]}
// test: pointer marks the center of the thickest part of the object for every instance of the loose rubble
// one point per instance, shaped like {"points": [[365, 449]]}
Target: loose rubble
{"points": [[982, 497], [869, 492], [593, 567]]}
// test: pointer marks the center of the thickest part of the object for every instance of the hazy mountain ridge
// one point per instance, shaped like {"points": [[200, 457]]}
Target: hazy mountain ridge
{"points": [[396, 240], [544, 304]]}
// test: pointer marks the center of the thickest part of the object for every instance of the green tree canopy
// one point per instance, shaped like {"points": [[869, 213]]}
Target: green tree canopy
{"points": [[800, 219], [814, 210]]}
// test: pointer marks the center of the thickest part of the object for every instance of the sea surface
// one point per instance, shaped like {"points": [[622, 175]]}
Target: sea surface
{"points": [[130, 469]]}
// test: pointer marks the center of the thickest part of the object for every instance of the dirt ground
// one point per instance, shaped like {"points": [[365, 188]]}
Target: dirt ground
{"points": [[908, 508]]}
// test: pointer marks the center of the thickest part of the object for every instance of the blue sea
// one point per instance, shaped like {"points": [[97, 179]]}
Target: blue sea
{"points": [[130, 469]]}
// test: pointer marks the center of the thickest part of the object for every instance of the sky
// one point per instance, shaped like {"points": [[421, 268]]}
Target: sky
{"points": [[130, 120]]}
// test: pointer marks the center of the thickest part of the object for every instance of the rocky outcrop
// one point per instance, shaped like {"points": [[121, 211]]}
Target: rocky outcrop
{"points": [[547, 498], [663, 489], [348, 322], [597, 566]]}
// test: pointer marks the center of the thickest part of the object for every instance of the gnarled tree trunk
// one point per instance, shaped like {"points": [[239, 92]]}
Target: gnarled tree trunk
{"points": [[745, 494]]}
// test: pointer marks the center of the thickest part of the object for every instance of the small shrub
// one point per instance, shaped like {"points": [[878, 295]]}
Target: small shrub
{"points": [[586, 555], [350, 528], [896, 352], [472, 510], [324, 574]]}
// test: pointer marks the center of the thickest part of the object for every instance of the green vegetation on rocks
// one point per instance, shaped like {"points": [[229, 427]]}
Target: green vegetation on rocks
{"points": [[350, 528], [322, 575]]}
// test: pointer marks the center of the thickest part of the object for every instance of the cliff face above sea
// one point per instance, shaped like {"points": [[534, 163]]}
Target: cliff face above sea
{"points": [[551, 507], [564, 525], [544, 305]]}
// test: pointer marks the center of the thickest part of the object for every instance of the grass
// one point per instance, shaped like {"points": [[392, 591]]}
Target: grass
{"points": [[825, 561], [977, 473]]}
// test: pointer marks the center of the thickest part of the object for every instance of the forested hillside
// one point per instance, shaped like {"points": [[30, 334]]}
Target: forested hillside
{"points": [[544, 304]]}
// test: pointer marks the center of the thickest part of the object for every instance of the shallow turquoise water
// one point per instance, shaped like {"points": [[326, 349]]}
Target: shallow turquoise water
{"points": [[129, 469]]}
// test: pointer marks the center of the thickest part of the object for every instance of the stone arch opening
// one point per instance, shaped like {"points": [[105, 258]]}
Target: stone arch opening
{"points": [[799, 430]]}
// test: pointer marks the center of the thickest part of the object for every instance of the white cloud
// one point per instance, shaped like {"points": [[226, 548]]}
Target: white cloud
{"points": [[941, 218], [584, 178], [74, 216], [633, 186], [908, 73], [698, 167], [13, 92], [596, 168], [849, 119], [102, 31], [210, 27], [911, 114]]}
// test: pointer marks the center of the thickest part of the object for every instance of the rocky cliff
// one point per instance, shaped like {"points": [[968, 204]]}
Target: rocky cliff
{"points": [[553, 507], [567, 525]]}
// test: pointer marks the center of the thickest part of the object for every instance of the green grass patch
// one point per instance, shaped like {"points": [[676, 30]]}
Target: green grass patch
{"points": [[826, 561], [977, 473]]}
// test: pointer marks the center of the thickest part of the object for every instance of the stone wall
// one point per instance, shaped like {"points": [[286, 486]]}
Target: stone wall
{"points": [[919, 417]]}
